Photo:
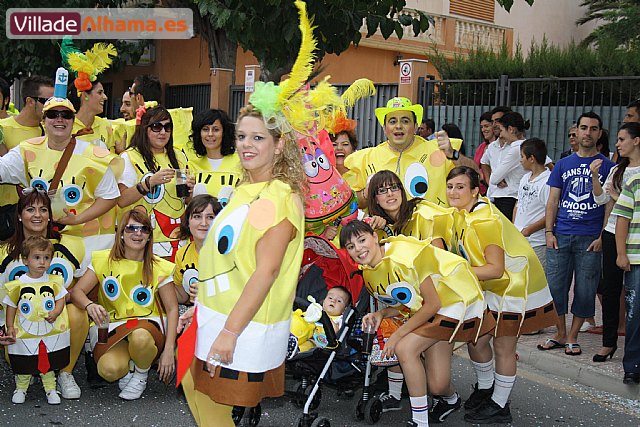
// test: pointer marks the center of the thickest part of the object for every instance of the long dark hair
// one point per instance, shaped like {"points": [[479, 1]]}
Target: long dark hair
{"points": [[14, 243], [209, 117], [198, 204], [633, 129], [118, 249], [514, 120], [354, 228], [382, 179], [140, 141]]}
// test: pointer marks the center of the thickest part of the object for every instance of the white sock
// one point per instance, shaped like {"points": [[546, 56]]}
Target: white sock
{"points": [[451, 399], [502, 390], [420, 410], [395, 380], [485, 373]]}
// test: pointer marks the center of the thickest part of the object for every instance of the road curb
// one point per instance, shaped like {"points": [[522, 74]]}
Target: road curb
{"points": [[564, 366]]}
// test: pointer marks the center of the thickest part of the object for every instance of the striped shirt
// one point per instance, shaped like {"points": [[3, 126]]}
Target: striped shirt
{"points": [[628, 206]]}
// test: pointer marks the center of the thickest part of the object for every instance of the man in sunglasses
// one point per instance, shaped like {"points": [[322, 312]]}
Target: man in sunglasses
{"points": [[88, 188], [35, 91], [573, 141]]}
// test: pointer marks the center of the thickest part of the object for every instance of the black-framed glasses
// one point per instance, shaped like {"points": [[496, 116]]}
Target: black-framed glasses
{"points": [[37, 98], [136, 228], [573, 135], [54, 114], [383, 190], [158, 126]]}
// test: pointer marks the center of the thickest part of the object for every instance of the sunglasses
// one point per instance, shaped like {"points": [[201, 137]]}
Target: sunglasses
{"points": [[54, 114], [383, 190], [573, 135], [135, 228], [157, 127], [37, 98], [29, 190]]}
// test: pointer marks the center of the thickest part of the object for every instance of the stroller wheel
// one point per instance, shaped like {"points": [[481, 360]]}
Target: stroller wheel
{"points": [[321, 422], [306, 420], [252, 417], [373, 410], [237, 414], [359, 414]]}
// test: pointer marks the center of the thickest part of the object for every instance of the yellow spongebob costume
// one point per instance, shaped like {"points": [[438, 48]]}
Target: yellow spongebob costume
{"points": [[37, 341], [406, 263], [186, 266], [102, 134], [428, 222], [85, 170], [131, 303], [226, 264], [219, 183], [164, 207], [520, 300]]}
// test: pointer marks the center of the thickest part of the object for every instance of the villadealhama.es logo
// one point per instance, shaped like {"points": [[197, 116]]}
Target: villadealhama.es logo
{"points": [[98, 24]]}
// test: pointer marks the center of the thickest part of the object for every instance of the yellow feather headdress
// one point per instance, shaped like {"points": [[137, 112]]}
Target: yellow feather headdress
{"points": [[89, 64]]}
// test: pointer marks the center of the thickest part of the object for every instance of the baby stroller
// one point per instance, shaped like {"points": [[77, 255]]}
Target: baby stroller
{"points": [[339, 364]]}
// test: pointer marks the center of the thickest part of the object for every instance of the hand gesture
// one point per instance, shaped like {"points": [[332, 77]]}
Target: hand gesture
{"points": [[595, 166], [444, 143], [163, 176]]}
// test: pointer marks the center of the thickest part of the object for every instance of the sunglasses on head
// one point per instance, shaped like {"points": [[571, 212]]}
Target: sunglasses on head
{"points": [[158, 126], [29, 190], [54, 114], [383, 190], [573, 135], [136, 228]]}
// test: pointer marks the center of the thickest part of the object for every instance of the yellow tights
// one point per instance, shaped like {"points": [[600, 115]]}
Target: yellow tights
{"points": [[206, 412], [139, 346], [79, 328]]}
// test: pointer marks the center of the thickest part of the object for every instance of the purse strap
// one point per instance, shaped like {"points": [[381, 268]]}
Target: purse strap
{"points": [[64, 160]]}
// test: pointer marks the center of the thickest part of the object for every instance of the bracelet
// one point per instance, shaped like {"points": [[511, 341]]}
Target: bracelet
{"points": [[87, 306], [147, 182], [141, 189], [549, 231], [230, 333]]}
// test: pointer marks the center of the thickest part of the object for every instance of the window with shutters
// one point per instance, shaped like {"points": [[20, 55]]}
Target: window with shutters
{"points": [[478, 9]]}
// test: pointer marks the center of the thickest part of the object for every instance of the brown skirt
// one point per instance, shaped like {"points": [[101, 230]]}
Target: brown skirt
{"points": [[508, 324], [122, 331], [236, 388], [442, 328]]}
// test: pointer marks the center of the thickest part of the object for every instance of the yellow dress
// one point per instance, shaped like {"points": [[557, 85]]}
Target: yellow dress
{"points": [[33, 300], [162, 204], [219, 183], [102, 134], [186, 266], [406, 263], [423, 168], [428, 222], [520, 299]]}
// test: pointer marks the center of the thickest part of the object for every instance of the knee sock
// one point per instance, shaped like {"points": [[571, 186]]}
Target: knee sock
{"points": [[395, 380], [451, 399], [420, 410], [485, 373], [502, 389], [48, 381], [22, 382]]}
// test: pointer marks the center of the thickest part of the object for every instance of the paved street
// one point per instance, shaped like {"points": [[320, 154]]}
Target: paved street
{"points": [[539, 399]]}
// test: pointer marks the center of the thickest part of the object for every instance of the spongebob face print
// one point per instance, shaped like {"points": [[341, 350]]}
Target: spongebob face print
{"points": [[189, 276], [416, 180], [33, 307], [64, 264], [394, 285], [218, 184], [126, 300]]}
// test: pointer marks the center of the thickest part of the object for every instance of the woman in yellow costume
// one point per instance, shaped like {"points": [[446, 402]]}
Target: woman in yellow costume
{"points": [[515, 290], [135, 289], [149, 181], [216, 166], [33, 218], [438, 294], [200, 213]]}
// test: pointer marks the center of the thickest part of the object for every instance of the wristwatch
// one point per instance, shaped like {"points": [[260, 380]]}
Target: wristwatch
{"points": [[455, 155]]}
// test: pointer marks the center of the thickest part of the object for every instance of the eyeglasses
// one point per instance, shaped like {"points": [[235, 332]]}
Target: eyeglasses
{"points": [[135, 228], [383, 190], [573, 135], [29, 190], [54, 114], [158, 126], [37, 98]]}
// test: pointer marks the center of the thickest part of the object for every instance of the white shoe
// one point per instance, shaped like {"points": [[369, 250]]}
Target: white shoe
{"points": [[19, 396], [122, 382], [586, 326], [68, 386], [136, 385], [53, 398]]}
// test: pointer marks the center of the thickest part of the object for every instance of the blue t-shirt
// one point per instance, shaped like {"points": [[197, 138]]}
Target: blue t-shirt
{"points": [[578, 213]]}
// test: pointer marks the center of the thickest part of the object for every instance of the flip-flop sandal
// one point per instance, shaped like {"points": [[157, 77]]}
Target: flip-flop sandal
{"points": [[572, 347], [553, 344]]}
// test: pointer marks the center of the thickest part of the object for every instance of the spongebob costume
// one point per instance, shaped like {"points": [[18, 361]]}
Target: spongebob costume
{"points": [[428, 222], [407, 262], [40, 347], [218, 183], [186, 266], [131, 303], [227, 265], [102, 134], [520, 300], [164, 207]]}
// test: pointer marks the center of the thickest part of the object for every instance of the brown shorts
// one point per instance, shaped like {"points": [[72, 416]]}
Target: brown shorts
{"points": [[509, 324], [122, 331], [443, 328], [236, 388]]}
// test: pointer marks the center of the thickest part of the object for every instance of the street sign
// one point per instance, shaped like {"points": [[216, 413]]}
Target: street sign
{"points": [[249, 79], [405, 73]]}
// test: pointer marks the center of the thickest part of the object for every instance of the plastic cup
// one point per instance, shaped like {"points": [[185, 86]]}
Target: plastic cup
{"points": [[181, 182], [103, 331], [367, 339]]}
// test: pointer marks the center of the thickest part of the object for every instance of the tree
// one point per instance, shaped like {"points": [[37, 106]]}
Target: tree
{"points": [[620, 22]]}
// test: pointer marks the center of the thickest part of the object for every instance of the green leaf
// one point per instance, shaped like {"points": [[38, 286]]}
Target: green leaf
{"points": [[372, 25], [405, 19]]}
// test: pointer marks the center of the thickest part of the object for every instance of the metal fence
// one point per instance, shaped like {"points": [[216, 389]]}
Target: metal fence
{"points": [[197, 96], [369, 132], [550, 104]]}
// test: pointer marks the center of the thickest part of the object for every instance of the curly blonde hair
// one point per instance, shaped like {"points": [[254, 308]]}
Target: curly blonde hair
{"points": [[288, 163]]}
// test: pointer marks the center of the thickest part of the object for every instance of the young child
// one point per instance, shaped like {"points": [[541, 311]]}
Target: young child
{"points": [[37, 321], [529, 213], [334, 304]]}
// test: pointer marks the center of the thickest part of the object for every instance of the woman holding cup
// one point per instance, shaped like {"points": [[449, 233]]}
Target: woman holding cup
{"points": [[153, 171], [128, 312]]}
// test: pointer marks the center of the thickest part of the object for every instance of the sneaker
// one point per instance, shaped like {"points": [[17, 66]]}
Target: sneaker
{"points": [[412, 423], [477, 398], [441, 409], [490, 413], [389, 403], [586, 326], [135, 387], [122, 382], [19, 396], [68, 387], [53, 398]]}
